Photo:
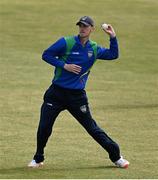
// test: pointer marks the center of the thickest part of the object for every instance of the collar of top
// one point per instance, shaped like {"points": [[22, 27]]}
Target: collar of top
{"points": [[77, 38]]}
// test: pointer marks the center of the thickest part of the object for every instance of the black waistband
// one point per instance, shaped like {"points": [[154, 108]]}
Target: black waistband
{"points": [[66, 89]]}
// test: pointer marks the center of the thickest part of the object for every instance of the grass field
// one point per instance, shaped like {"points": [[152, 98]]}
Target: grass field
{"points": [[123, 94]]}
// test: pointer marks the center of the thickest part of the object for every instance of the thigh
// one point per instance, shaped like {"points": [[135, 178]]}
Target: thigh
{"points": [[52, 95], [51, 107], [81, 112], [79, 108]]}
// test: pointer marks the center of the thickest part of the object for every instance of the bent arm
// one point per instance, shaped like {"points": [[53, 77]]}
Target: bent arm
{"points": [[54, 52], [111, 53]]}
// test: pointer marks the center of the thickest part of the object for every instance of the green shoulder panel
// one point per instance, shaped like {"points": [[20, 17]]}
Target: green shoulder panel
{"points": [[70, 42], [94, 47]]}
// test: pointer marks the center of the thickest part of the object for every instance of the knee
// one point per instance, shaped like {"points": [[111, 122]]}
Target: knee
{"points": [[44, 129], [93, 129]]}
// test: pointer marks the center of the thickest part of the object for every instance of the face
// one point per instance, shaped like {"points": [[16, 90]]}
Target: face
{"points": [[85, 31]]}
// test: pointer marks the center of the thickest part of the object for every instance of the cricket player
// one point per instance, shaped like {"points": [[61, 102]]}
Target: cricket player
{"points": [[73, 57]]}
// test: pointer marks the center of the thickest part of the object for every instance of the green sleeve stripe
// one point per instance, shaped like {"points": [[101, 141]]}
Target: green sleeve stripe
{"points": [[94, 47], [58, 73], [70, 42]]}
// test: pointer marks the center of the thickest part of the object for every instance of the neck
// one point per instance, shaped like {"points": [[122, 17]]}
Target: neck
{"points": [[83, 40]]}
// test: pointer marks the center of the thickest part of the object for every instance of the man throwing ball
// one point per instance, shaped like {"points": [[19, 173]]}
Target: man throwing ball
{"points": [[73, 57]]}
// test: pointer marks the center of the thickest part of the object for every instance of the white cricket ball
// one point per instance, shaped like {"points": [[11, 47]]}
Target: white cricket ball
{"points": [[104, 26]]}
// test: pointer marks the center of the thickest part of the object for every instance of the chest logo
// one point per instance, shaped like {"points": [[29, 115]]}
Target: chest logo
{"points": [[75, 53], [90, 54]]}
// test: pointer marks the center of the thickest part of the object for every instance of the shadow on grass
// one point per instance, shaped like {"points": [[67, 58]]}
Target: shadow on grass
{"points": [[25, 170], [132, 106], [47, 168], [97, 167], [30, 173]]}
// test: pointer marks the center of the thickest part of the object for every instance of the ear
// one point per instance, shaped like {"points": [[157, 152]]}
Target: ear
{"points": [[92, 28]]}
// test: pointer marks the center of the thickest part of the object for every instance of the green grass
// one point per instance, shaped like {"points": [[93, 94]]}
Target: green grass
{"points": [[123, 94]]}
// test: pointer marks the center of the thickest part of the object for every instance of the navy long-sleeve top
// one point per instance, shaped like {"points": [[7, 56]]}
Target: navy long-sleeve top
{"points": [[74, 52]]}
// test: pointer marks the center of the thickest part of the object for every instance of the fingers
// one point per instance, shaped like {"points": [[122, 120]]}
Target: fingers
{"points": [[73, 68], [110, 31], [109, 28]]}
